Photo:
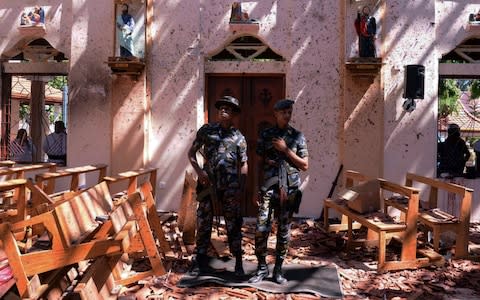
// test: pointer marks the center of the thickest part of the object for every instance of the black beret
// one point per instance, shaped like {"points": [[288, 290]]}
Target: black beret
{"points": [[283, 104]]}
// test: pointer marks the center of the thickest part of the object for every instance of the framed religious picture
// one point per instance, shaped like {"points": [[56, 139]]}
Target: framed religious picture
{"points": [[33, 16]]}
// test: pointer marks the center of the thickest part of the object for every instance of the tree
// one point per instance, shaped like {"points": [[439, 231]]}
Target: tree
{"points": [[448, 98], [475, 89], [58, 82]]}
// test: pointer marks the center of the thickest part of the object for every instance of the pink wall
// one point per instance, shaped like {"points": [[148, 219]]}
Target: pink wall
{"points": [[347, 119]]}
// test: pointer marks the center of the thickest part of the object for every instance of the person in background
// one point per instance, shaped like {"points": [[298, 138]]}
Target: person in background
{"points": [[284, 154], [55, 145], [453, 153], [22, 149]]}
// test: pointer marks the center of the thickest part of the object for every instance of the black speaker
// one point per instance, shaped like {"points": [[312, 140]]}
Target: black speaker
{"points": [[414, 81]]}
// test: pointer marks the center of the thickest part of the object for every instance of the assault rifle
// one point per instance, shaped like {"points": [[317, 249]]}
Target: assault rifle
{"points": [[332, 189]]}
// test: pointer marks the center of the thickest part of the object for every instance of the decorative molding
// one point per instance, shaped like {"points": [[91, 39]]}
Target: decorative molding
{"points": [[265, 97], [32, 30], [124, 66], [473, 26], [36, 68], [244, 27], [364, 66]]}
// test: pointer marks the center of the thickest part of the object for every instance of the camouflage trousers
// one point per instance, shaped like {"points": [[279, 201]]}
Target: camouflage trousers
{"points": [[233, 220], [268, 209]]}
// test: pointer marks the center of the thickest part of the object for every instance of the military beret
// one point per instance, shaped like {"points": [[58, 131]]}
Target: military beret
{"points": [[283, 104]]}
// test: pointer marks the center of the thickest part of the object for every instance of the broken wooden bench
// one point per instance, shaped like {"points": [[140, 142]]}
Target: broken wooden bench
{"points": [[436, 219], [142, 180], [381, 228], [87, 226]]}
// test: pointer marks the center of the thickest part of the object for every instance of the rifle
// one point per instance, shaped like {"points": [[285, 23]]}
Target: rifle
{"points": [[208, 193], [332, 189]]}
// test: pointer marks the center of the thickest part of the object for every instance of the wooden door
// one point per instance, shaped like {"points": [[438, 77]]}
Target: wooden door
{"points": [[257, 95]]}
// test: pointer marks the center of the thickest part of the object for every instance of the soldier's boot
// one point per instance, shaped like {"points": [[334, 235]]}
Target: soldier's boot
{"points": [[200, 265], [262, 270], [277, 271], [239, 265], [194, 269]]}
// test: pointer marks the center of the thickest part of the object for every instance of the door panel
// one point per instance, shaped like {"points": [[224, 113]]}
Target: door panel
{"points": [[257, 95]]}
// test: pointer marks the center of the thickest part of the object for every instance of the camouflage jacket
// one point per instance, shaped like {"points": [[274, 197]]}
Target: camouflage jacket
{"points": [[294, 139], [224, 151]]}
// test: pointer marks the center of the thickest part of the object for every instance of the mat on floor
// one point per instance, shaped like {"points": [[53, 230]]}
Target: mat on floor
{"points": [[322, 280]]}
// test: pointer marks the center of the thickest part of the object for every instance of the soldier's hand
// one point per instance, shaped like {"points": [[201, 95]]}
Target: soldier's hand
{"points": [[203, 178], [279, 144], [256, 199]]}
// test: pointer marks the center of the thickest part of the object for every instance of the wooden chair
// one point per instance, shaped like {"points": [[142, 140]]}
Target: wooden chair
{"points": [[88, 226], [438, 220], [381, 228]]}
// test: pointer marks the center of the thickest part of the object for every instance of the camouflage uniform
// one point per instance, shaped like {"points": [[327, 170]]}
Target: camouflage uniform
{"points": [[270, 202], [224, 150]]}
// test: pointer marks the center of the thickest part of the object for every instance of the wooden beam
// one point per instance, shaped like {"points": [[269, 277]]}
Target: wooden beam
{"points": [[37, 107], [447, 69], [60, 68]]}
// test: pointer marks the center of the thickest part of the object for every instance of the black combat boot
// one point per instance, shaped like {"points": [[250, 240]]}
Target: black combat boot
{"points": [[277, 271], [239, 265], [262, 270], [200, 265]]}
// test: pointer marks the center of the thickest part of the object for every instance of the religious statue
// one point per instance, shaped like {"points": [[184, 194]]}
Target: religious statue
{"points": [[366, 28]]}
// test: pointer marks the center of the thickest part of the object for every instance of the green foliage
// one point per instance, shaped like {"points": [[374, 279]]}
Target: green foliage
{"points": [[448, 99], [58, 82], [50, 112], [475, 89], [24, 112]]}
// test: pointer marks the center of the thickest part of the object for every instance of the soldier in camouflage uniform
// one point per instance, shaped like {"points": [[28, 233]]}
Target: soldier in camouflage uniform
{"points": [[224, 171], [284, 153]]}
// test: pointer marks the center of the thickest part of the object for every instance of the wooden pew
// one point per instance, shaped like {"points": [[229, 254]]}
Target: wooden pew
{"points": [[46, 181], [19, 171], [133, 179], [7, 163], [10, 197], [88, 226], [382, 228], [436, 219], [16, 210]]}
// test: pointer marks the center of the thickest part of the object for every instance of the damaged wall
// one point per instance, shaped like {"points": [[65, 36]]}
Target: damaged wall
{"points": [[302, 32]]}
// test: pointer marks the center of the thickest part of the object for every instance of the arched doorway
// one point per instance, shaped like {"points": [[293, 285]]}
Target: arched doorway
{"points": [[257, 93]]}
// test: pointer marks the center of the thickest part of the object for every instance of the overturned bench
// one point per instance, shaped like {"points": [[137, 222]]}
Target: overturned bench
{"points": [[87, 226]]}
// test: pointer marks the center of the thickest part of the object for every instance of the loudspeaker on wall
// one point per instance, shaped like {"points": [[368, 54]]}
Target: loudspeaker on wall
{"points": [[414, 82]]}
